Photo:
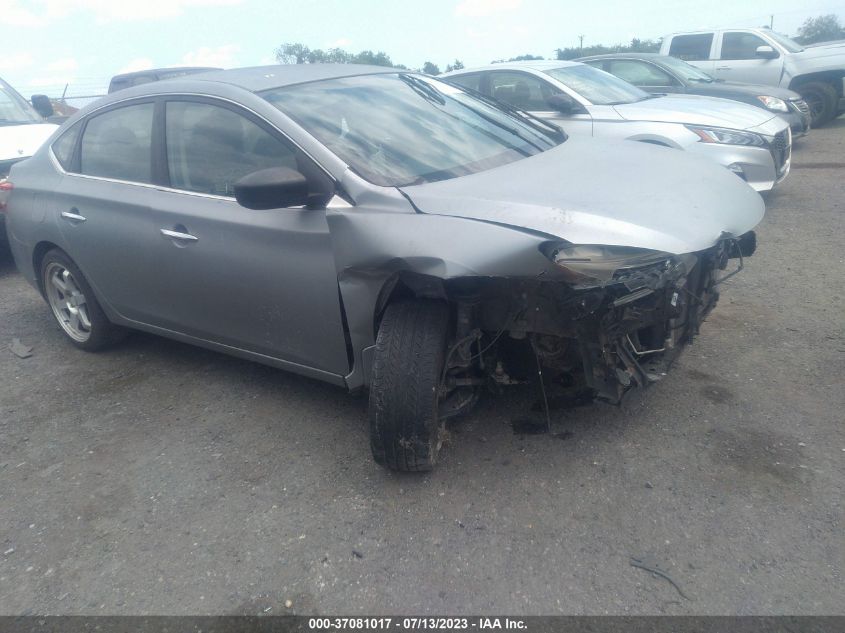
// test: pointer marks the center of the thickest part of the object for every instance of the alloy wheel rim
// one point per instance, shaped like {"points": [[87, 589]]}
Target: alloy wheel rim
{"points": [[67, 302]]}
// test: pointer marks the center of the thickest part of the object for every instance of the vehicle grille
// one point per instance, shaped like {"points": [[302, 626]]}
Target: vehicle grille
{"points": [[6, 165], [801, 106], [781, 148]]}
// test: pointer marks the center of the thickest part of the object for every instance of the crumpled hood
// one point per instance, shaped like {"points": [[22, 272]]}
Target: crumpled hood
{"points": [[695, 110], [22, 141], [590, 191]]}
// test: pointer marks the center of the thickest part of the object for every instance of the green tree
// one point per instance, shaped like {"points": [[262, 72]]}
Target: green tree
{"points": [[458, 65], [431, 69], [636, 46], [293, 53], [297, 53], [821, 29]]}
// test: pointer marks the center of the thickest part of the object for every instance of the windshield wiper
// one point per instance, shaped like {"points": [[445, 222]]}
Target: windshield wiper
{"points": [[424, 89]]}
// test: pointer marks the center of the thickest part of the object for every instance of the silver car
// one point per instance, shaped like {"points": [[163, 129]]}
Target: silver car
{"points": [[377, 229], [754, 144]]}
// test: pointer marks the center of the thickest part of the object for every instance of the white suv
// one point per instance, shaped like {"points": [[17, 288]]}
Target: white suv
{"points": [[22, 131], [762, 56]]}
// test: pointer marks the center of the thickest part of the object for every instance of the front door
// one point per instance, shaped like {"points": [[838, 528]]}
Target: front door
{"points": [[262, 281], [738, 60], [530, 93]]}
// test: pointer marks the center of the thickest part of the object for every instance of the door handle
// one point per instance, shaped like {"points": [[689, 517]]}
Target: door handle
{"points": [[73, 215], [723, 67], [178, 235]]}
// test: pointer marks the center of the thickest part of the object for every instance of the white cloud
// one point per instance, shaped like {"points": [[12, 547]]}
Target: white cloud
{"points": [[66, 64], [222, 56], [141, 63], [16, 15], [481, 8], [341, 43], [15, 61], [39, 12]]}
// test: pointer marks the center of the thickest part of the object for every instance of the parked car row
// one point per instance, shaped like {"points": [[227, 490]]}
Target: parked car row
{"points": [[754, 143], [378, 228]]}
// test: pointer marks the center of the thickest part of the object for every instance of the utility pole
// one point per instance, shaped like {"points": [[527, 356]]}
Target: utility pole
{"points": [[581, 42], [771, 21]]}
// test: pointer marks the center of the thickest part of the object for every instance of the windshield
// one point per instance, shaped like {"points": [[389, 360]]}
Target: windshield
{"points": [[597, 86], [688, 71], [13, 108], [403, 129], [789, 44]]}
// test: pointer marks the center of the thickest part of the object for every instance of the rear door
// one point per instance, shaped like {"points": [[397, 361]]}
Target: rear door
{"points": [[738, 60], [262, 281], [695, 49], [103, 206]]}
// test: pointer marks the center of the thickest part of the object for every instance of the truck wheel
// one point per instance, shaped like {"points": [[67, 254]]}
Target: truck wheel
{"points": [[74, 305], [821, 98], [405, 427]]}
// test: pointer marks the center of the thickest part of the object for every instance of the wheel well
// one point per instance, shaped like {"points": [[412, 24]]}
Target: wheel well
{"points": [[41, 249], [832, 77], [406, 285]]}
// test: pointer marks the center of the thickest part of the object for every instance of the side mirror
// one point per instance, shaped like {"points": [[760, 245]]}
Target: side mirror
{"points": [[42, 105], [562, 103], [767, 52], [272, 188]]}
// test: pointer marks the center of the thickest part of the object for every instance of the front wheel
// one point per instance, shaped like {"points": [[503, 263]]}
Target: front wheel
{"points": [[821, 98], [405, 426], [74, 305]]}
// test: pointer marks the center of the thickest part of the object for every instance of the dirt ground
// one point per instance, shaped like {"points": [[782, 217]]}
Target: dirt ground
{"points": [[158, 478]]}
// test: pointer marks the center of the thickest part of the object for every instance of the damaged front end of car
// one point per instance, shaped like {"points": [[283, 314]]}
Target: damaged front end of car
{"points": [[616, 318]]}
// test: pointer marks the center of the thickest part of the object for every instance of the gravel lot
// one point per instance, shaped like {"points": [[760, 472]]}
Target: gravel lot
{"points": [[161, 478]]}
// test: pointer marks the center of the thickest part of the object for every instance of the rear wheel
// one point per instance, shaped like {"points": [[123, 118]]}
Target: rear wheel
{"points": [[405, 425], [73, 304], [821, 99]]}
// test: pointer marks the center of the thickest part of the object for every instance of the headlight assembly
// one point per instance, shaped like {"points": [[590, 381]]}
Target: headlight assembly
{"points": [[727, 137], [773, 103], [597, 263]]}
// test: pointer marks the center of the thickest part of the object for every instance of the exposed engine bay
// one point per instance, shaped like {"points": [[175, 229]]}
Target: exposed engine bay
{"points": [[600, 335]]}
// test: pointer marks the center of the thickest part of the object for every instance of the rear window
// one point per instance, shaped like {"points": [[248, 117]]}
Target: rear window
{"points": [[64, 146], [116, 144], [691, 47]]}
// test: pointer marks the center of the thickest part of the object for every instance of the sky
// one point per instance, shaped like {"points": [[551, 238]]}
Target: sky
{"points": [[82, 43]]}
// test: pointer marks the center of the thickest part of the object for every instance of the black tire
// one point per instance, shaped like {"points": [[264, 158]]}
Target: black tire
{"points": [[101, 333], [822, 99], [405, 427]]}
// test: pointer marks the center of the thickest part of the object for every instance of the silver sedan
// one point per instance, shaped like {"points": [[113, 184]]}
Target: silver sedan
{"points": [[377, 229], [754, 144]]}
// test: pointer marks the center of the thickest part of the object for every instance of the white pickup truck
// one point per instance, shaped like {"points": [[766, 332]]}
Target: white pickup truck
{"points": [[761, 56]]}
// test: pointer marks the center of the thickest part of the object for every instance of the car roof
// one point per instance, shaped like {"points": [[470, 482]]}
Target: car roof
{"points": [[258, 78], [160, 71], [542, 64], [622, 56]]}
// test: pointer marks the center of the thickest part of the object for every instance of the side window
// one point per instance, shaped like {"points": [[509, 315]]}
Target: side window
{"points": [[64, 145], [210, 148], [691, 48], [117, 144], [639, 73], [521, 90], [737, 45], [473, 81]]}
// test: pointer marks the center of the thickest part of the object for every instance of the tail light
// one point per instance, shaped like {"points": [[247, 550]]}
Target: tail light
{"points": [[5, 187]]}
